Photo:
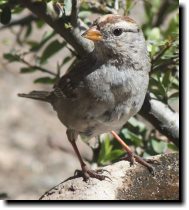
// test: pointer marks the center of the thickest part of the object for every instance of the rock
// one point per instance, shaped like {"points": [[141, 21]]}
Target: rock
{"points": [[127, 183]]}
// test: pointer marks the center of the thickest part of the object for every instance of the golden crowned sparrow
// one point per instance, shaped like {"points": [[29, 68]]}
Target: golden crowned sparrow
{"points": [[102, 91]]}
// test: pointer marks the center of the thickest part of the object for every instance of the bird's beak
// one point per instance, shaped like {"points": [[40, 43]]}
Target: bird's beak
{"points": [[93, 34]]}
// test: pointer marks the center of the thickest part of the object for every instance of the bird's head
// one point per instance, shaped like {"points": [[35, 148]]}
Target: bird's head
{"points": [[115, 34]]}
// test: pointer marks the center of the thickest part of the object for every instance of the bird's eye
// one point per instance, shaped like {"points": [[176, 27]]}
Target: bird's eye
{"points": [[117, 31]]}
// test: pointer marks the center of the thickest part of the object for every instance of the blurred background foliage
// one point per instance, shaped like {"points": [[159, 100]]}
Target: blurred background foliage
{"points": [[161, 30]]}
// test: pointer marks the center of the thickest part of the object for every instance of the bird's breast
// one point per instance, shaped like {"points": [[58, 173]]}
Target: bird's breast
{"points": [[107, 98]]}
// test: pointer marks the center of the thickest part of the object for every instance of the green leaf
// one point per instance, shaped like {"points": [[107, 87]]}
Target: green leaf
{"points": [[145, 155], [173, 26], [27, 70], [162, 90], [40, 23], [17, 9], [107, 146], [84, 14], [45, 80], [5, 15], [32, 44], [159, 146], [105, 149], [172, 146], [157, 93], [136, 123], [157, 88], [3, 2], [154, 34], [115, 154], [28, 30], [174, 95], [175, 84], [166, 78], [129, 6], [153, 82], [11, 57], [35, 46], [67, 25], [51, 49], [66, 59], [135, 139]]}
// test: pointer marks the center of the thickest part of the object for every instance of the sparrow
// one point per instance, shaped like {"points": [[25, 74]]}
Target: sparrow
{"points": [[106, 88]]}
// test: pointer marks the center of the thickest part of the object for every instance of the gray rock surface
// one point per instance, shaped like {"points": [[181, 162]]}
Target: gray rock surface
{"points": [[128, 183]]}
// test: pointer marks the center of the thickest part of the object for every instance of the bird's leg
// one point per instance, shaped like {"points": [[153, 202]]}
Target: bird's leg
{"points": [[72, 136], [130, 155]]}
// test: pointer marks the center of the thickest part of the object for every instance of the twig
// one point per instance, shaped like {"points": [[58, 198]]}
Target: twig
{"points": [[95, 6], [162, 65], [37, 67], [161, 52], [44, 70], [74, 12]]}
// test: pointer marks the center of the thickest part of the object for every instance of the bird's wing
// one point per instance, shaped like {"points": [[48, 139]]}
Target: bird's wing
{"points": [[68, 83]]}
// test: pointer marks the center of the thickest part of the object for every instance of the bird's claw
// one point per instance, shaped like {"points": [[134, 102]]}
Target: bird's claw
{"points": [[100, 170], [86, 173], [133, 158], [95, 174]]}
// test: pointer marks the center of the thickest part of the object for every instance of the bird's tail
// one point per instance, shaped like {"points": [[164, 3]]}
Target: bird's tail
{"points": [[37, 95]]}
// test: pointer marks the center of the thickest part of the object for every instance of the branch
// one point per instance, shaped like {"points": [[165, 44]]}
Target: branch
{"points": [[162, 118], [37, 67], [71, 35], [128, 183], [98, 7], [74, 12]]}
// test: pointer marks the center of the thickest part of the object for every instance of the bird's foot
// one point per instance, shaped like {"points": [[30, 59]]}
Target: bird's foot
{"points": [[133, 158], [86, 173]]}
